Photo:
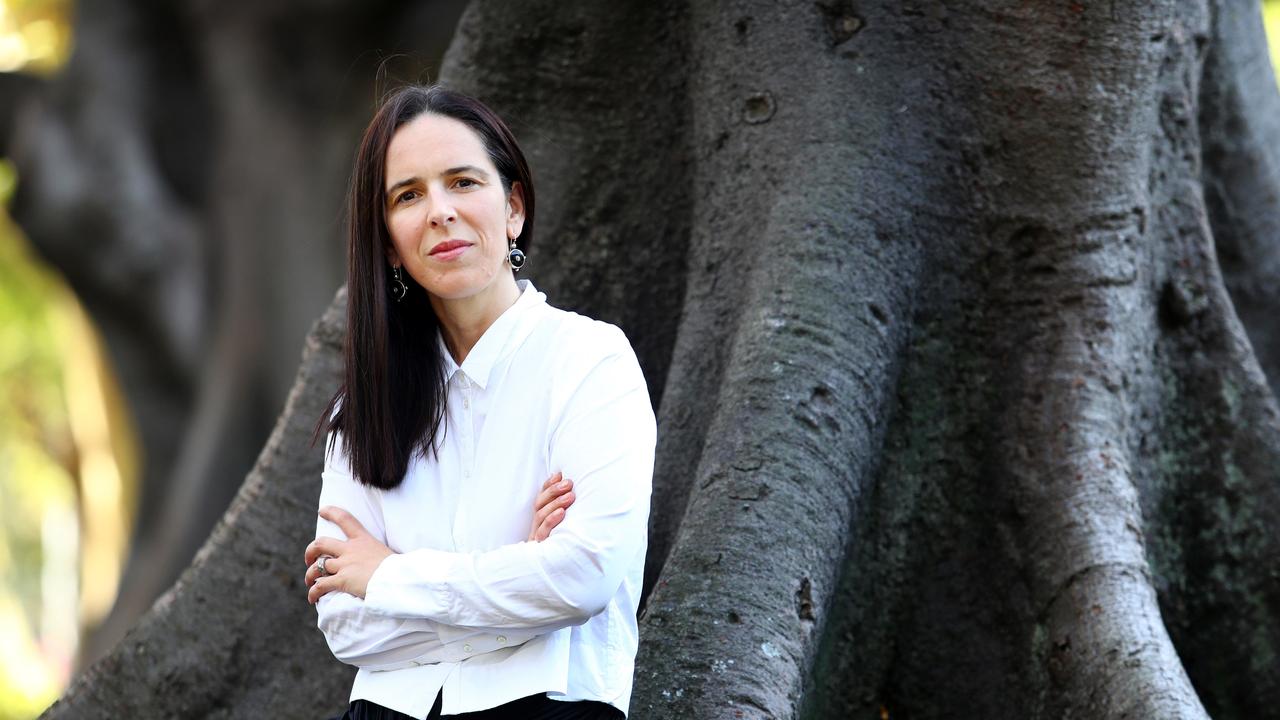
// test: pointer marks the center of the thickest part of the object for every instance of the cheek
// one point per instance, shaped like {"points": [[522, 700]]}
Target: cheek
{"points": [[402, 231], [499, 257], [395, 230]]}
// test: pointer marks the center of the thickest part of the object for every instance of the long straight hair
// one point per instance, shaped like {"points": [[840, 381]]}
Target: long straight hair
{"points": [[392, 398]]}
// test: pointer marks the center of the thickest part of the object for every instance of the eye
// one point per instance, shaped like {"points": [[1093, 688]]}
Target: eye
{"points": [[469, 183], [406, 196]]}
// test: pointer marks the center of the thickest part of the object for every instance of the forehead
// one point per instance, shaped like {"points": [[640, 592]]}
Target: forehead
{"points": [[429, 144]]}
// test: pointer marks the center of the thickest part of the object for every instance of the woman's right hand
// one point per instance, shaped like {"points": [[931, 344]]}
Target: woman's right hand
{"points": [[549, 507]]}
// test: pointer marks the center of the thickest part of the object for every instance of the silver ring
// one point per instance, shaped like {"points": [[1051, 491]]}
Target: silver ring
{"points": [[320, 564]]}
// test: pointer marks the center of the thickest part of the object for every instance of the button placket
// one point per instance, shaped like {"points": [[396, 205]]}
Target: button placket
{"points": [[468, 430], [467, 434]]}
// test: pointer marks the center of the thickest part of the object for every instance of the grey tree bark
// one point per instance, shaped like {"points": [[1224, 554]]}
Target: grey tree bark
{"points": [[956, 319]]}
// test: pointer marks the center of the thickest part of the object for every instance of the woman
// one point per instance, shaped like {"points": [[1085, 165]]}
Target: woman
{"points": [[463, 391]]}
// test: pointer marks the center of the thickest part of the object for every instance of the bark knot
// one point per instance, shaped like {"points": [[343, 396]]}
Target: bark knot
{"points": [[840, 20], [804, 600], [758, 108], [1180, 303]]}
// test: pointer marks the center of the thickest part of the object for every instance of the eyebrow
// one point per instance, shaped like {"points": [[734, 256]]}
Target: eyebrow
{"points": [[459, 170]]}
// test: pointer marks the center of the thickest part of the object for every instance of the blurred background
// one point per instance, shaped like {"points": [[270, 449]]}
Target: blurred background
{"points": [[171, 182], [171, 196]]}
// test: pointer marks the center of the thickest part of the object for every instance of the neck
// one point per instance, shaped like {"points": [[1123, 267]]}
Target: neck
{"points": [[464, 320]]}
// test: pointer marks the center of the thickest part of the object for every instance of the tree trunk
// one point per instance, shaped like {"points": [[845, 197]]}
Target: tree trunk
{"points": [[957, 417]]}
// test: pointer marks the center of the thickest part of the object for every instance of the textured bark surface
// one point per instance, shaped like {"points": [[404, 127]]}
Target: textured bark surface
{"points": [[235, 636], [959, 414]]}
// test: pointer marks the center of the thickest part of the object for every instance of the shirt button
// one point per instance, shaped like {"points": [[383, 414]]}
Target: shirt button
{"points": [[466, 647], [502, 638]]}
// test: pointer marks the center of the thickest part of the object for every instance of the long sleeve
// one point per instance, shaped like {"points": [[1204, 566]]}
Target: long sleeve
{"points": [[355, 635], [604, 440]]}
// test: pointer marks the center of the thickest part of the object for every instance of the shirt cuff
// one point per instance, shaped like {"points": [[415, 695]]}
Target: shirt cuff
{"points": [[413, 584]]}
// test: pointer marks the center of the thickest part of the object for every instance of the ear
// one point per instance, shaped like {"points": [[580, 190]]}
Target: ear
{"points": [[515, 210], [393, 257]]}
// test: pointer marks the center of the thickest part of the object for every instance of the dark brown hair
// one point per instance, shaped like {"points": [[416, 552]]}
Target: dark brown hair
{"points": [[391, 402]]}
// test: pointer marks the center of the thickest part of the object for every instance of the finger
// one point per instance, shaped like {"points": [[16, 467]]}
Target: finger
{"points": [[560, 503], [555, 478], [331, 567], [546, 497], [544, 530], [313, 574], [540, 532], [550, 491], [315, 592], [542, 512], [551, 516], [323, 546], [543, 501], [343, 519], [322, 587], [552, 521]]}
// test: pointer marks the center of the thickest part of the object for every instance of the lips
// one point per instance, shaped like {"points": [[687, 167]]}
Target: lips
{"points": [[449, 249], [448, 245]]}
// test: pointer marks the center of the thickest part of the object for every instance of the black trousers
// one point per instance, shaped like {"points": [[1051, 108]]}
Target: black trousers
{"points": [[533, 707]]}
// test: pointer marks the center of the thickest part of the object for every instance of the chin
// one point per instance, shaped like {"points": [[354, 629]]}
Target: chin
{"points": [[452, 293], [456, 286]]}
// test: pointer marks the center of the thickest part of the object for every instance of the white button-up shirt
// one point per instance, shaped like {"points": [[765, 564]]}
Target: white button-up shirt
{"points": [[467, 605]]}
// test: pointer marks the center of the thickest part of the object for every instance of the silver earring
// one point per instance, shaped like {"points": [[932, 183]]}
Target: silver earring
{"points": [[515, 257], [398, 288]]}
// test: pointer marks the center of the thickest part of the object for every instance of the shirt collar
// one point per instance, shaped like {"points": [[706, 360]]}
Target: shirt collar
{"points": [[503, 336]]}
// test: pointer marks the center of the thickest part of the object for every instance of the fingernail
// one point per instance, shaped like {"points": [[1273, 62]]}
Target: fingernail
{"points": [[563, 484]]}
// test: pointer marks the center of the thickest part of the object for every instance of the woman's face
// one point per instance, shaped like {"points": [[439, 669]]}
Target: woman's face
{"points": [[447, 214]]}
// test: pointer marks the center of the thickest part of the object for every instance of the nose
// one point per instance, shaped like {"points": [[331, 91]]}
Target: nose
{"points": [[442, 213]]}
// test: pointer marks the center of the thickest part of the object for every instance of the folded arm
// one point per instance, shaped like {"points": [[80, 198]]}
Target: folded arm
{"points": [[354, 635], [359, 637], [605, 442]]}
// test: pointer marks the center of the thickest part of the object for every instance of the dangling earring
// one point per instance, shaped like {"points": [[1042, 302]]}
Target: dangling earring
{"points": [[515, 257], [398, 288]]}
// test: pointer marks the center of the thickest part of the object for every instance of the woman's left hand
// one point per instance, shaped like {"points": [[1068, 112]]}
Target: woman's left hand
{"points": [[351, 562]]}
